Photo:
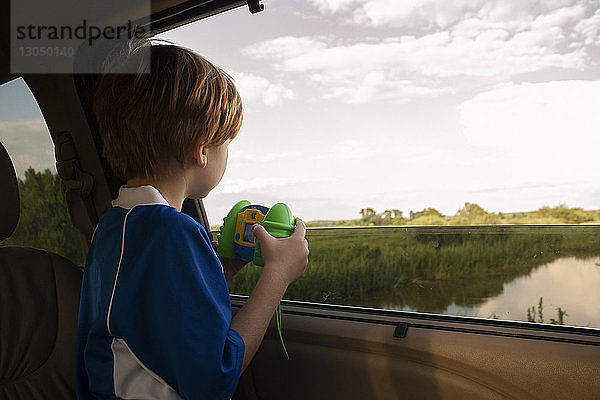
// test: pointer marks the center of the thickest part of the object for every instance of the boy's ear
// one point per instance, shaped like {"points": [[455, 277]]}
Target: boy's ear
{"points": [[199, 154]]}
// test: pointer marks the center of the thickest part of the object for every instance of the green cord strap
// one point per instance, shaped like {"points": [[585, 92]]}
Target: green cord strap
{"points": [[278, 321]]}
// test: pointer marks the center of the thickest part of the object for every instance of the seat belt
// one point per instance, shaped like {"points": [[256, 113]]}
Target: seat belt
{"points": [[76, 185]]}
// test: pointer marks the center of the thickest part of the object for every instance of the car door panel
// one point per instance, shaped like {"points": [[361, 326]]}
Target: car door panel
{"points": [[352, 353]]}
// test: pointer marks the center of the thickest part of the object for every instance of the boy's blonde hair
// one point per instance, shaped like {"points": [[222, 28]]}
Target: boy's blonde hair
{"points": [[151, 121]]}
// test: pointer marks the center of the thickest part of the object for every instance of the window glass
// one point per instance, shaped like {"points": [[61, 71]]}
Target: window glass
{"points": [[44, 221], [460, 136]]}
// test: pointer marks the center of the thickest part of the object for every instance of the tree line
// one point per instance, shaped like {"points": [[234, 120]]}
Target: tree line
{"points": [[470, 214], [44, 221]]}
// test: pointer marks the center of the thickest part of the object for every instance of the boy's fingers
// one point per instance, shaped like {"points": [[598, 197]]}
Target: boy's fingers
{"points": [[260, 232], [300, 228]]}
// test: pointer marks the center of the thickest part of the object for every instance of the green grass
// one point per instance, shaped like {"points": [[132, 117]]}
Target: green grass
{"points": [[454, 264]]}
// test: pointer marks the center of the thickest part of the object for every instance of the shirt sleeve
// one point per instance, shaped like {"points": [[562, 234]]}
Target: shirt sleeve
{"points": [[175, 311]]}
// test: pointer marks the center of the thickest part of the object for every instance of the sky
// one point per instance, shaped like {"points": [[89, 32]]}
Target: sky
{"points": [[400, 105]]}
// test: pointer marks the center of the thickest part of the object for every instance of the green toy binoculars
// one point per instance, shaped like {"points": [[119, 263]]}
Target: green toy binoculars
{"points": [[236, 240]]}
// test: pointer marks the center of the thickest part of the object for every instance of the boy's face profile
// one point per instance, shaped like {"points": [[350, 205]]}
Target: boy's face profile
{"points": [[207, 168]]}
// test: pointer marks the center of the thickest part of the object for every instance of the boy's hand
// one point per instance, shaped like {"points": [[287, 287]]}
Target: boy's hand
{"points": [[284, 258]]}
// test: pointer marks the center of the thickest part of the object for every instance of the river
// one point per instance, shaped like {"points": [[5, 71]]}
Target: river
{"points": [[573, 284]]}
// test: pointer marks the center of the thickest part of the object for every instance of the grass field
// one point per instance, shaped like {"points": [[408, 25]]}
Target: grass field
{"points": [[459, 264]]}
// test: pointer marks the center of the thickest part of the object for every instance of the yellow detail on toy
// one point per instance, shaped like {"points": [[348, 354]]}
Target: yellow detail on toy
{"points": [[243, 228]]}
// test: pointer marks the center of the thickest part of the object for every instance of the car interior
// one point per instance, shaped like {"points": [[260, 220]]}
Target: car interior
{"points": [[338, 351]]}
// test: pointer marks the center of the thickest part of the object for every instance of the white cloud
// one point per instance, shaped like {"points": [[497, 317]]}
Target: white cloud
{"points": [[560, 17], [348, 151], [241, 157], [284, 47], [256, 89], [413, 13], [230, 186], [427, 15], [440, 46], [400, 68], [333, 6], [558, 117], [589, 29], [29, 145]]}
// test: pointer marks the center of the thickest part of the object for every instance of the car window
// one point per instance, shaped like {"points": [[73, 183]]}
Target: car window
{"points": [[444, 154], [44, 220]]}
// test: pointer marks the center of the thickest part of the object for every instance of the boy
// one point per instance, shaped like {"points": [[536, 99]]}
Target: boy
{"points": [[155, 319]]}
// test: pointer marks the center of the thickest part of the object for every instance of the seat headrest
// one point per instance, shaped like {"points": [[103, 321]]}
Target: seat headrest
{"points": [[9, 200]]}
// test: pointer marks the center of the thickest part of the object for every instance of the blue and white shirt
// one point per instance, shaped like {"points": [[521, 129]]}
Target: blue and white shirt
{"points": [[155, 312]]}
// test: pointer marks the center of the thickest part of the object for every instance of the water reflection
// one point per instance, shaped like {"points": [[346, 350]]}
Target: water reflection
{"points": [[569, 283]]}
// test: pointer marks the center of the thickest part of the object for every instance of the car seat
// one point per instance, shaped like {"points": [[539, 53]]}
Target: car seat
{"points": [[39, 301]]}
